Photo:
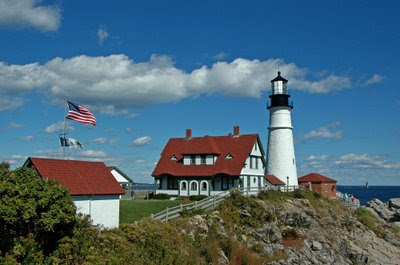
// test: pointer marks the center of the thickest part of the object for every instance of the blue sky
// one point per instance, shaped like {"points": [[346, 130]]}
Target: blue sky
{"points": [[150, 69]]}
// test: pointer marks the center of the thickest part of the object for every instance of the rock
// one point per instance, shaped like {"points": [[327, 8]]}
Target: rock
{"points": [[316, 246], [394, 203], [222, 260], [381, 209]]}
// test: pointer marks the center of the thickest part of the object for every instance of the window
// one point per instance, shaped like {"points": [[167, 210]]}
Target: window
{"points": [[256, 158], [204, 186], [254, 180], [203, 159], [173, 158], [183, 185], [251, 162], [193, 160], [172, 183], [193, 186], [229, 156]]}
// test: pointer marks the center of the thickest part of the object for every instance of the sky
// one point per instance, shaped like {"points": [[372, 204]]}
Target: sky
{"points": [[148, 70]]}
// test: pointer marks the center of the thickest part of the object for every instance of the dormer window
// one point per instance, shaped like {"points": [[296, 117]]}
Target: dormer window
{"points": [[229, 156], [203, 159], [173, 158], [193, 160]]}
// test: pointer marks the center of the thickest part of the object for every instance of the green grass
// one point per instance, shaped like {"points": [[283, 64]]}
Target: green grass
{"points": [[131, 211], [368, 219]]}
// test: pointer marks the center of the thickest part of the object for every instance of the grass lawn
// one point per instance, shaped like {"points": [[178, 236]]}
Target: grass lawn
{"points": [[131, 211]]}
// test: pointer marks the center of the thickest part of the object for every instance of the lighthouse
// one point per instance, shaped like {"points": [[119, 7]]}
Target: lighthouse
{"points": [[281, 160]]}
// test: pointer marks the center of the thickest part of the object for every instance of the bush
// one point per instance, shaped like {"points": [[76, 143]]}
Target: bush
{"points": [[368, 219], [34, 214], [160, 196], [197, 197]]}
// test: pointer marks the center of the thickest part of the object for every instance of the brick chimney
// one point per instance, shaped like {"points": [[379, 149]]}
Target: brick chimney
{"points": [[236, 131], [188, 133]]}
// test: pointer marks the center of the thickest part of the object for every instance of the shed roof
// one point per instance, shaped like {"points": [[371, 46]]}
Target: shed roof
{"points": [[79, 177], [315, 178], [273, 180]]}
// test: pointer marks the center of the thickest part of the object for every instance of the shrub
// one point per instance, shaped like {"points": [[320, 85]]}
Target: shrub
{"points": [[160, 196], [368, 219], [197, 197], [290, 233]]}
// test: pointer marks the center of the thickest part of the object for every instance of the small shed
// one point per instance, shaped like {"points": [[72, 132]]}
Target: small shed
{"points": [[92, 187], [319, 183], [124, 180], [271, 180]]}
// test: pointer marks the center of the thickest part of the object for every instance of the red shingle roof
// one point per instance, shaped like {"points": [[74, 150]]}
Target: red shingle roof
{"points": [[80, 177], [315, 178], [274, 180], [238, 146]]}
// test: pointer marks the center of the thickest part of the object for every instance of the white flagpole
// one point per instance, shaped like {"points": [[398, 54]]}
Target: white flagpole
{"points": [[65, 124]]}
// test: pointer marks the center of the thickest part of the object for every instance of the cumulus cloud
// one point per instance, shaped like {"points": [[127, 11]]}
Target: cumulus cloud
{"points": [[114, 84], [353, 168], [325, 132], [93, 154], [221, 55], [10, 103], [374, 79], [15, 159], [102, 35], [19, 14], [58, 127], [142, 141], [140, 161], [104, 140]]}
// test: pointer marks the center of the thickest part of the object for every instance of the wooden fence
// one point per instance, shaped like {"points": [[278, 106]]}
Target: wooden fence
{"points": [[212, 201]]}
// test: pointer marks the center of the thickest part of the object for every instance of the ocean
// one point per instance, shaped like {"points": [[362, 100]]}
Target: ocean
{"points": [[383, 193]]}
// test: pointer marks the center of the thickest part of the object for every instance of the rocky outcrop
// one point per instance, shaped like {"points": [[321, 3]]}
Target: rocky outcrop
{"points": [[389, 212], [303, 233]]}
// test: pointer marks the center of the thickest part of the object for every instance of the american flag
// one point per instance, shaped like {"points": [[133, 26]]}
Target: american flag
{"points": [[80, 113]]}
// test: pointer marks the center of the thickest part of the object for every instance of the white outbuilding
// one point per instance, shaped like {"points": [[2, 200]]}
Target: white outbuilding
{"points": [[92, 187]]}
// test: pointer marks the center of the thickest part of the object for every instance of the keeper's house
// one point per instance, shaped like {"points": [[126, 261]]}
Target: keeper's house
{"points": [[209, 165], [92, 187], [319, 183]]}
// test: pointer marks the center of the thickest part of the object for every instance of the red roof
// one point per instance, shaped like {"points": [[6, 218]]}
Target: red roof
{"points": [[315, 178], [239, 146], [80, 177], [274, 180]]}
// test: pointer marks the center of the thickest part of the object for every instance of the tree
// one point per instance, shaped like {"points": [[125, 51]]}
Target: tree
{"points": [[34, 214]]}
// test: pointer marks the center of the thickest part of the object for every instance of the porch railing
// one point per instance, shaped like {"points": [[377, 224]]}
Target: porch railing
{"points": [[213, 201]]}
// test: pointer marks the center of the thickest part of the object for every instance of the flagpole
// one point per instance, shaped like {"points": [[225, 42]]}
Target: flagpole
{"points": [[65, 122]]}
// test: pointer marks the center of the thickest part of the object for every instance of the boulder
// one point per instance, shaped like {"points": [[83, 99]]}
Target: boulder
{"points": [[316, 246], [381, 209], [394, 203]]}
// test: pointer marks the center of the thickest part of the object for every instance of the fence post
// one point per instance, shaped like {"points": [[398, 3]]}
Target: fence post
{"points": [[152, 216], [166, 219], [181, 207], [195, 204], [214, 202]]}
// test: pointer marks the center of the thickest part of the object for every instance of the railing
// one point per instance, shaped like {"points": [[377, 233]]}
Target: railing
{"points": [[212, 202], [347, 201]]}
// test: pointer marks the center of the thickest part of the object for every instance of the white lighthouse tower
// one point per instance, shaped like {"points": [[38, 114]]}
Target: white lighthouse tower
{"points": [[281, 160]]}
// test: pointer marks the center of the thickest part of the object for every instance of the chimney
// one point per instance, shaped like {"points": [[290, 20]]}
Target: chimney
{"points": [[188, 133], [235, 131]]}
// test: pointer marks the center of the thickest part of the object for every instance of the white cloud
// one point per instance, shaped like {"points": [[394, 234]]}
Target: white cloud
{"points": [[28, 138], [113, 84], [93, 154], [58, 127], [14, 125], [19, 14], [324, 132], [14, 159], [142, 141], [104, 140], [102, 35], [220, 55], [374, 79], [140, 161], [10, 103]]}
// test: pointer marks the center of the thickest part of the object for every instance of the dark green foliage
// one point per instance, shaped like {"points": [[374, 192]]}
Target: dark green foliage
{"points": [[34, 214], [197, 197], [290, 233], [160, 196]]}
